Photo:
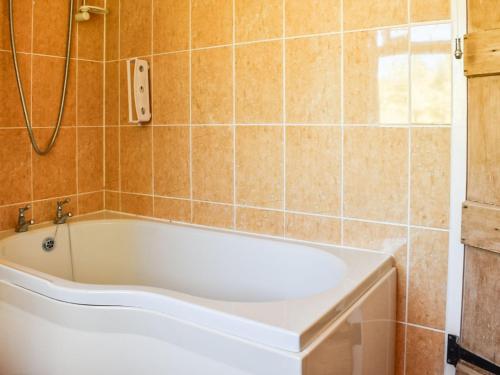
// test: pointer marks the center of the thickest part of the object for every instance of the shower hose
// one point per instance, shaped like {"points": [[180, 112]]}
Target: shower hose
{"points": [[27, 121]]}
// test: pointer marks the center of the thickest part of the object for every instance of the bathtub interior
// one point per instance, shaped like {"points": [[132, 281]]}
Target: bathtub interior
{"points": [[25, 250], [201, 263]]}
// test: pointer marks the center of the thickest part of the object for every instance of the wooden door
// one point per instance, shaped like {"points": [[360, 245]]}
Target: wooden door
{"points": [[481, 212]]}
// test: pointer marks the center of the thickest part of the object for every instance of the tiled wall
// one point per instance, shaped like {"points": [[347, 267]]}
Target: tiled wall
{"points": [[318, 120], [75, 166]]}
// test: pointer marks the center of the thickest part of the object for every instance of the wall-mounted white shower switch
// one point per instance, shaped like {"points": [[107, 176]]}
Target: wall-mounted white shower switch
{"points": [[138, 100]]}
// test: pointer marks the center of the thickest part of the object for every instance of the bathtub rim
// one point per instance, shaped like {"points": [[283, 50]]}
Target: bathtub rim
{"points": [[198, 310]]}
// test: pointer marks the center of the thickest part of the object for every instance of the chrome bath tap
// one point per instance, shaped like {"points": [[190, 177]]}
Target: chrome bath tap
{"points": [[22, 224], [61, 217]]}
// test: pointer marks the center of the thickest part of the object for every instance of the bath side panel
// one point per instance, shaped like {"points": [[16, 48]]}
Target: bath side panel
{"points": [[41, 336], [363, 341]]}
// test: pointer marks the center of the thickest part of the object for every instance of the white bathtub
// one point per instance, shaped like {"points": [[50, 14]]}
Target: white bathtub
{"points": [[126, 296]]}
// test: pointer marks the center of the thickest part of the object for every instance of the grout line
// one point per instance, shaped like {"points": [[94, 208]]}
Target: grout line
{"points": [[420, 126], [342, 121], [233, 127], [422, 327], [119, 111], [2, 231], [284, 109], [190, 58], [409, 165], [232, 230], [51, 127], [32, 177], [85, 193], [291, 239], [294, 212], [104, 75], [422, 23], [292, 37], [76, 28], [37, 54], [151, 76], [47, 199]]}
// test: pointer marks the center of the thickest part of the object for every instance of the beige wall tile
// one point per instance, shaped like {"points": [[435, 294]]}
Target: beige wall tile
{"points": [[59, 165], [430, 10], [212, 163], [376, 77], [112, 159], [312, 16], [112, 201], [256, 19], [15, 166], [424, 352], [45, 211], [213, 215], [428, 278], [111, 94], [90, 93], [123, 96], [47, 36], [171, 89], [399, 364], [313, 80], [363, 14], [136, 204], [112, 30], [430, 177], [48, 73], [431, 74], [381, 237], [313, 169], [259, 166], [376, 173], [170, 25], [259, 221], [171, 161], [10, 107], [173, 209], [90, 36], [211, 22], [312, 228], [390, 239], [135, 39], [212, 87], [22, 24], [88, 203], [90, 159], [135, 157], [259, 83]]}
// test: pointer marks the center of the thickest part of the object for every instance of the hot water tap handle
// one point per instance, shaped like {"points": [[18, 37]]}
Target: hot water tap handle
{"points": [[63, 202], [22, 210]]}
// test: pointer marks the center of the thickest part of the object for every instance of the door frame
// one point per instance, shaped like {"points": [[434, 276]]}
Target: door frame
{"points": [[458, 179]]}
